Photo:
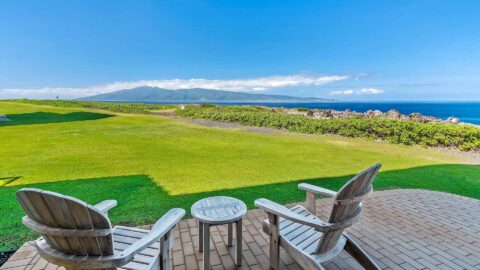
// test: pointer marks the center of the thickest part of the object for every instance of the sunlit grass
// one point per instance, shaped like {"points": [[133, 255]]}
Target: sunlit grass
{"points": [[184, 158], [162, 163]]}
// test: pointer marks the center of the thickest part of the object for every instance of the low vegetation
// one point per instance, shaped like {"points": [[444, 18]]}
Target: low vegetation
{"points": [[151, 163], [465, 138], [119, 107]]}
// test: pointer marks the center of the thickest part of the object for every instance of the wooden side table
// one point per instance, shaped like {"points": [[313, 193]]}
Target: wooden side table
{"points": [[219, 210]]}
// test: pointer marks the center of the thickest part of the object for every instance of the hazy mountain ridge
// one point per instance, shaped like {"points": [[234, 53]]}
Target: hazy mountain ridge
{"points": [[154, 94]]}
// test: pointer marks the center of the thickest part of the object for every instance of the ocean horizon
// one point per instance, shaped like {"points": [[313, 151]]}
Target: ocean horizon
{"points": [[466, 111]]}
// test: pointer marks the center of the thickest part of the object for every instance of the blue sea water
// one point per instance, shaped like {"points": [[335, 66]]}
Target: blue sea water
{"points": [[468, 112]]}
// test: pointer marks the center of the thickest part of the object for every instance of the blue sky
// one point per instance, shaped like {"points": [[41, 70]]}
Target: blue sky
{"points": [[348, 50]]}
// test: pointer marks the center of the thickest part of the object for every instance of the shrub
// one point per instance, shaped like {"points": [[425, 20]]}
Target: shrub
{"points": [[465, 138], [207, 105]]}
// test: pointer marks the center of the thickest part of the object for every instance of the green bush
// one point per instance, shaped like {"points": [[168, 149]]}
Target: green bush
{"points": [[465, 138], [207, 105]]}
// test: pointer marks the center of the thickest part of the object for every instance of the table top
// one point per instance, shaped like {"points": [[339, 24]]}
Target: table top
{"points": [[219, 210]]}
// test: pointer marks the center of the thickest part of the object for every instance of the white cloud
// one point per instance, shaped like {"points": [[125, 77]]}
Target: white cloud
{"points": [[370, 91], [254, 84], [363, 91], [342, 92]]}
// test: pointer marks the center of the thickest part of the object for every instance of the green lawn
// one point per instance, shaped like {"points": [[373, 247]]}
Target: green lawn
{"points": [[151, 163]]}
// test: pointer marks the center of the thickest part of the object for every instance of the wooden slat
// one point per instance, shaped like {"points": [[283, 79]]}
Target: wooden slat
{"points": [[130, 232], [301, 236], [135, 266], [32, 198], [27, 206], [100, 221], [58, 217], [304, 236], [218, 210], [61, 214], [353, 191], [147, 252], [310, 245], [81, 219]]}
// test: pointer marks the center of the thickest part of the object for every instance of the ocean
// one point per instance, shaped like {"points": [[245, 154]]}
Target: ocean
{"points": [[468, 112]]}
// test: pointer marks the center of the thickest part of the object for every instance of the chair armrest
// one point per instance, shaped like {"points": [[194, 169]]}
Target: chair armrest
{"points": [[106, 205], [281, 211], [159, 229], [317, 190]]}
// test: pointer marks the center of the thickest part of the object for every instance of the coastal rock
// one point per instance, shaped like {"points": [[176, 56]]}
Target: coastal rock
{"points": [[453, 120], [391, 114], [394, 114], [415, 116], [373, 113], [328, 113], [422, 118], [290, 111], [377, 113]]}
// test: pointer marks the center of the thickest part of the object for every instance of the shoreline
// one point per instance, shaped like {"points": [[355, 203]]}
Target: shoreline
{"points": [[467, 112], [320, 113]]}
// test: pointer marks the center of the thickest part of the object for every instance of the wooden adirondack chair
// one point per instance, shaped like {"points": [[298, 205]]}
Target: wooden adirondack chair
{"points": [[79, 236], [310, 241]]}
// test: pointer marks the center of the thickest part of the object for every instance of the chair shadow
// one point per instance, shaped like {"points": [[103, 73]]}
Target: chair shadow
{"points": [[142, 201], [5, 181], [48, 118], [446, 177]]}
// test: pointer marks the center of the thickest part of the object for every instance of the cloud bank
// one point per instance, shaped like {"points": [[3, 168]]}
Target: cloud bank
{"points": [[363, 91], [244, 85]]}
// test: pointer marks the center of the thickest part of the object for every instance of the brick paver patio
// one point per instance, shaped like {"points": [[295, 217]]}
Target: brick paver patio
{"points": [[401, 229]]}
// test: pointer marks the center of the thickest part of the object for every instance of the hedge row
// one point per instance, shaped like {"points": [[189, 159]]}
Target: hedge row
{"points": [[107, 106], [465, 138]]}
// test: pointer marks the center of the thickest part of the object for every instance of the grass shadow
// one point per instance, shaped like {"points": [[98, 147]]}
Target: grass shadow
{"points": [[5, 181], [141, 201], [48, 117]]}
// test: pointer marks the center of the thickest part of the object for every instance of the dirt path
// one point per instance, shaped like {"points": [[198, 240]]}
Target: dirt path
{"points": [[210, 123], [262, 130]]}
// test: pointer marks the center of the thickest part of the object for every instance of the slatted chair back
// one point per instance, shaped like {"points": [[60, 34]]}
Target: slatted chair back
{"points": [[67, 224], [347, 207]]}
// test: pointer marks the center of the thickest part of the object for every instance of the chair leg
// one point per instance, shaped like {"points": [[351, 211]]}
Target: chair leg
{"points": [[310, 202], [165, 252], [229, 234], [274, 242], [359, 254], [200, 236]]}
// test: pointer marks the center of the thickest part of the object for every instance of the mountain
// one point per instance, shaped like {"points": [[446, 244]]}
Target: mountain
{"points": [[154, 94]]}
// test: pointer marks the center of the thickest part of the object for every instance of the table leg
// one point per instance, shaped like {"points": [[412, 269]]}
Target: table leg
{"points": [[200, 236], [238, 247], [206, 246], [230, 234]]}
